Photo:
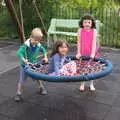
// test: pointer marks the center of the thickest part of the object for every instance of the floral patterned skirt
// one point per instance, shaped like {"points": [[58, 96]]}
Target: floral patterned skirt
{"points": [[75, 67]]}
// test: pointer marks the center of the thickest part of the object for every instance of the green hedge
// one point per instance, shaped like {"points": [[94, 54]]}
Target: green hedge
{"points": [[106, 13]]}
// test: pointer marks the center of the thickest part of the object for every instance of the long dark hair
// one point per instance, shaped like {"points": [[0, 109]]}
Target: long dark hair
{"points": [[58, 44], [87, 17]]}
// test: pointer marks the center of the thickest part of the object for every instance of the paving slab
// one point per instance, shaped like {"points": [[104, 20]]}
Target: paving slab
{"points": [[5, 44], [12, 109], [114, 114], [3, 99], [116, 102], [5, 118], [8, 59]]}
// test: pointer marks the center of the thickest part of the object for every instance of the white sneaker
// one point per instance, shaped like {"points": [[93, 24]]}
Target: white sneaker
{"points": [[92, 88]]}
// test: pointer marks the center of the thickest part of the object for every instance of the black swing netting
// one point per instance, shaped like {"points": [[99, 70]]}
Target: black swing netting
{"points": [[87, 69], [84, 67]]}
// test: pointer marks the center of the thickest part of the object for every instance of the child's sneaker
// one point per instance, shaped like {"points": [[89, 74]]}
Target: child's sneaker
{"points": [[18, 98], [42, 91]]}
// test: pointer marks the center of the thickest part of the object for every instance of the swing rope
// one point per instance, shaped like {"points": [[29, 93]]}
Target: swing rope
{"points": [[22, 25], [17, 18], [21, 16], [39, 15]]}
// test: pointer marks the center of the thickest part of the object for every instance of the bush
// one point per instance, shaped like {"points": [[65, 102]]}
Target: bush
{"points": [[103, 10], [7, 27]]}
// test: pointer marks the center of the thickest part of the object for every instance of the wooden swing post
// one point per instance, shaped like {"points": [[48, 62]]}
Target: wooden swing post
{"points": [[13, 14]]}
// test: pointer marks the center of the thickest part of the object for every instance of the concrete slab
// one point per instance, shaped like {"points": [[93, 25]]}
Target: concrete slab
{"points": [[8, 59], [5, 118], [114, 114]]}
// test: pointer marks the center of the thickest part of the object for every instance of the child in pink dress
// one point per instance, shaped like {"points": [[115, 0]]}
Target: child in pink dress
{"points": [[86, 45]]}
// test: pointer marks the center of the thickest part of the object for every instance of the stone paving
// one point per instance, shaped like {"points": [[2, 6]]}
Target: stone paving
{"points": [[64, 101], [8, 59]]}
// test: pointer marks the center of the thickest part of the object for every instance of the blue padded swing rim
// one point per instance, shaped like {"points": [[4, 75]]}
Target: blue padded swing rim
{"points": [[96, 75]]}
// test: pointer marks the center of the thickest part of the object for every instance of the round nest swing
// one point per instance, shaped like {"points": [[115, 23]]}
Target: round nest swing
{"points": [[87, 69]]}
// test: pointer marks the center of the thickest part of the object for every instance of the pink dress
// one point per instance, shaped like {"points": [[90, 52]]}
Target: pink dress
{"points": [[86, 40]]}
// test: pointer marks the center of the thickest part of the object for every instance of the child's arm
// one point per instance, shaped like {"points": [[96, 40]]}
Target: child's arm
{"points": [[78, 44], [93, 53], [45, 57], [42, 49], [21, 54], [56, 64], [67, 59]]}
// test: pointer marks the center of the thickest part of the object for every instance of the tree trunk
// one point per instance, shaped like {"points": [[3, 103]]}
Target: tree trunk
{"points": [[12, 11]]}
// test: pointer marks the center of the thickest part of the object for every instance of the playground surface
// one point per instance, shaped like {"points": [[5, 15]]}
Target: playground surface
{"points": [[64, 101]]}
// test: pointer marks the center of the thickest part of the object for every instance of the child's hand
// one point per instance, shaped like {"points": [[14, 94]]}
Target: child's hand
{"points": [[78, 56], [29, 63], [45, 60], [26, 61], [92, 56]]}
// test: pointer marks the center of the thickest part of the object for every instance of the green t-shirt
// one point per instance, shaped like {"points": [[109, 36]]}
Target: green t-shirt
{"points": [[25, 51]]}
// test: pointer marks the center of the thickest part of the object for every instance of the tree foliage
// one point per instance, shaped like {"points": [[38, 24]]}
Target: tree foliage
{"points": [[100, 9]]}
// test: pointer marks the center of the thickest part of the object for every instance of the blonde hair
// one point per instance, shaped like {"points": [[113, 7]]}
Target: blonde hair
{"points": [[36, 33]]}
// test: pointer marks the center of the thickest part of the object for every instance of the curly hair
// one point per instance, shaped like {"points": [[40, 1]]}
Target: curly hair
{"points": [[87, 17]]}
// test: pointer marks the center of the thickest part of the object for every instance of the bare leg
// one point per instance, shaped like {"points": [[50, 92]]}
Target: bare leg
{"points": [[92, 88], [42, 91], [20, 88], [40, 84], [20, 85], [21, 81], [82, 86]]}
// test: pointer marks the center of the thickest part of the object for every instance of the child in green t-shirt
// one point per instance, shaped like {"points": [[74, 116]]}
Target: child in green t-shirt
{"points": [[28, 53]]}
